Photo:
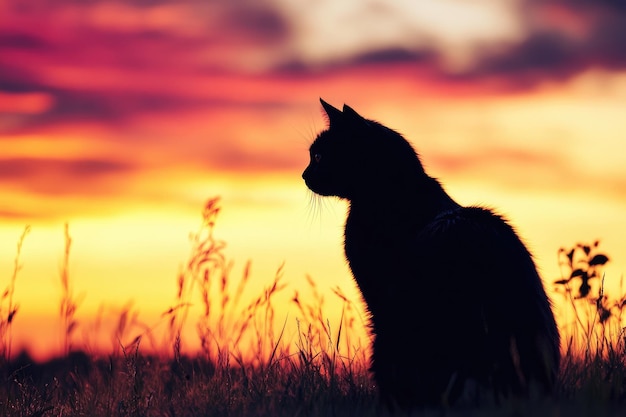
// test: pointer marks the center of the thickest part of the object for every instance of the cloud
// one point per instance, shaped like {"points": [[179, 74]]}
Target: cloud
{"points": [[516, 159], [563, 38], [255, 22], [328, 31], [24, 41], [393, 56], [110, 107], [229, 156], [123, 64], [542, 55], [108, 61], [533, 169], [63, 176], [540, 41]]}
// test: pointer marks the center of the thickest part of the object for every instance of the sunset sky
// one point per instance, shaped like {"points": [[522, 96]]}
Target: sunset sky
{"points": [[122, 118]]}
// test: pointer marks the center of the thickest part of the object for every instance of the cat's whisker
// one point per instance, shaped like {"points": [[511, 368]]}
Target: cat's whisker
{"points": [[307, 135], [315, 208]]}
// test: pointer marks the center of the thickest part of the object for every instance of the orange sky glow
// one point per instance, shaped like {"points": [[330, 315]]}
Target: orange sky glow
{"points": [[122, 119]]}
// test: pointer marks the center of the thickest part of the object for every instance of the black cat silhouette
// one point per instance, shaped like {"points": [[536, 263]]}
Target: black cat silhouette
{"points": [[453, 293]]}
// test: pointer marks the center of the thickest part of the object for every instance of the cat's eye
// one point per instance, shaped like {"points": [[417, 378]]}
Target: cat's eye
{"points": [[317, 157]]}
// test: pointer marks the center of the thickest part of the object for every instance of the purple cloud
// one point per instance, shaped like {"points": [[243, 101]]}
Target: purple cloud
{"points": [[62, 176], [564, 38]]}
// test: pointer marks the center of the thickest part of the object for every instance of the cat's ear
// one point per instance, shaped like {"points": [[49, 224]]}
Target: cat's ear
{"points": [[334, 115], [353, 117]]}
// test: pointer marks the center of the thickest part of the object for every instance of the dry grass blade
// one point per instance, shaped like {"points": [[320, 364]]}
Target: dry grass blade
{"points": [[7, 314]]}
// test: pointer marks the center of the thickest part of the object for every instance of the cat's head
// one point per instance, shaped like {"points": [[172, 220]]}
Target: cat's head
{"points": [[355, 156]]}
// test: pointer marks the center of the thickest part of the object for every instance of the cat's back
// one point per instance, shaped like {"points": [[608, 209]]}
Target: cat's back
{"points": [[477, 251], [483, 299], [473, 261], [468, 231]]}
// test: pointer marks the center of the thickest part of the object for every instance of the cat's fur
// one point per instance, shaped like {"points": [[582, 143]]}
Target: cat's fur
{"points": [[453, 293]]}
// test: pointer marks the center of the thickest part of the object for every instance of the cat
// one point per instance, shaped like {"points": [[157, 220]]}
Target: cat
{"points": [[452, 293]]}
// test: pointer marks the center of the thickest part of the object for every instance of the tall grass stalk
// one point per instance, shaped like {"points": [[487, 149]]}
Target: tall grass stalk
{"points": [[7, 314], [232, 333], [224, 326], [69, 303]]}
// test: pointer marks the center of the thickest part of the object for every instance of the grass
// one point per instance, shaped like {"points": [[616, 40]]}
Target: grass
{"points": [[8, 307], [246, 366]]}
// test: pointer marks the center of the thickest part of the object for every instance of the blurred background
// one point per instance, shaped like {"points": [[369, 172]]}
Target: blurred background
{"points": [[121, 118]]}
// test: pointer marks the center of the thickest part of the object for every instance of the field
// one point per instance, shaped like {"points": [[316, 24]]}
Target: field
{"points": [[323, 373]]}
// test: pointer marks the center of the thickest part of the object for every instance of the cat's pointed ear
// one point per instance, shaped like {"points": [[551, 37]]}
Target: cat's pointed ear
{"points": [[353, 117], [334, 115]]}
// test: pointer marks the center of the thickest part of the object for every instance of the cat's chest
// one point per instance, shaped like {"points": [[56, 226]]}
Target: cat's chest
{"points": [[369, 239]]}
